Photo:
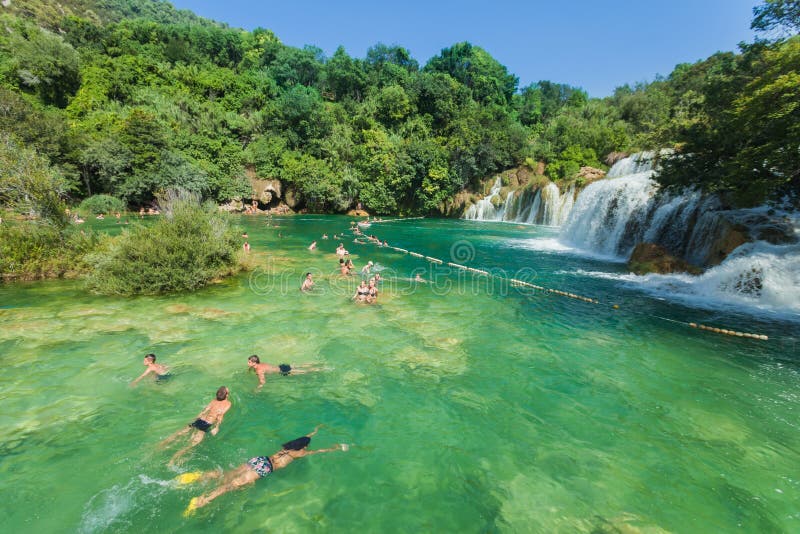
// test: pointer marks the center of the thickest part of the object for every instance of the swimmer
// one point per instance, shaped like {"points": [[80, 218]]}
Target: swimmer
{"points": [[325, 236], [254, 363], [366, 269], [340, 251], [312, 246], [372, 291], [377, 278], [362, 292], [246, 246], [160, 371], [100, 217], [244, 235], [350, 267], [418, 278], [209, 419], [258, 467], [308, 283], [343, 270]]}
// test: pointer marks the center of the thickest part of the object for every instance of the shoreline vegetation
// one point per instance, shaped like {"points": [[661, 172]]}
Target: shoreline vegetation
{"points": [[106, 105]]}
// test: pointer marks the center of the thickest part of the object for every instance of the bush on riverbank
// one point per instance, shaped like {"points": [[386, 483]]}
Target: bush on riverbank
{"points": [[192, 245], [96, 204], [31, 251]]}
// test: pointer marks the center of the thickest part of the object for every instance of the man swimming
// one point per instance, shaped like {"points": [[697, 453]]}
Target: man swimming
{"points": [[308, 283], [159, 371], [254, 363], [258, 467], [209, 419]]}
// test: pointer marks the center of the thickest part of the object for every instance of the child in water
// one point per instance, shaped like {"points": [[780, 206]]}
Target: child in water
{"points": [[159, 371]]}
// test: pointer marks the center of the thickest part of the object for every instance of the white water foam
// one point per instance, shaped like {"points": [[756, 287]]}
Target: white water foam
{"points": [[756, 278]]}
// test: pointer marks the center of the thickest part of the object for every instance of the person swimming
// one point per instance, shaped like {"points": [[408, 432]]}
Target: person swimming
{"points": [[367, 268], [254, 363], [258, 467], [308, 283], [160, 371], [207, 420], [312, 246]]}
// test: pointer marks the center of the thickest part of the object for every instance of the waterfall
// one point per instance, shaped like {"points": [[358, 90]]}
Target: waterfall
{"points": [[484, 210], [612, 215], [545, 205]]}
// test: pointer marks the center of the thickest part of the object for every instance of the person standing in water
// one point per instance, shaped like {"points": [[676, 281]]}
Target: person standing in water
{"points": [[207, 420], [254, 363], [258, 467], [159, 371], [308, 283]]}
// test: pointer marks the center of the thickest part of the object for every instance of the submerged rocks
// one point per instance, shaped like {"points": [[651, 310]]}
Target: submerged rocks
{"points": [[652, 258]]}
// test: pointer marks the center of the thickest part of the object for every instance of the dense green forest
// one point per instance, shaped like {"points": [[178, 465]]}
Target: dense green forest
{"points": [[131, 98]]}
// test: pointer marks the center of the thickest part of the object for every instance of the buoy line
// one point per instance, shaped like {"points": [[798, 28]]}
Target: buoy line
{"points": [[519, 283]]}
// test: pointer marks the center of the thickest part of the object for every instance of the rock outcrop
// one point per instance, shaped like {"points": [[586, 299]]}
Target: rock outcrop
{"points": [[652, 258]]}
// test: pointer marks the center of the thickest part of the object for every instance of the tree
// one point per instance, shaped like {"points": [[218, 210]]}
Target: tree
{"points": [[29, 185], [489, 81], [777, 15]]}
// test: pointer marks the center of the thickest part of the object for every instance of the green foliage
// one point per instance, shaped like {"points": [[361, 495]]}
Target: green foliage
{"points": [[489, 81], [97, 204], [191, 245], [131, 98], [29, 186], [777, 15], [29, 251]]}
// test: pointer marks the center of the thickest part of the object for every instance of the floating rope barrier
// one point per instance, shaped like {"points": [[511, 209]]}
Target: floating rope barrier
{"points": [[728, 332], [519, 283]]}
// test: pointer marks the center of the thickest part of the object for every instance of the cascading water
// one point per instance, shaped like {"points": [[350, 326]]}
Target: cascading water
{"points": [[545, 205], [611, 216], [484, 210]]}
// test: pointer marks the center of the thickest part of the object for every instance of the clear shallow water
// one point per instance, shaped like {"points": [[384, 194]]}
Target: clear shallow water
{"points": [[470, 407]]}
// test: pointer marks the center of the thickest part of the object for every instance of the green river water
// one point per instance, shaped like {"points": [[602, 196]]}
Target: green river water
{"points": [[469, 407]]}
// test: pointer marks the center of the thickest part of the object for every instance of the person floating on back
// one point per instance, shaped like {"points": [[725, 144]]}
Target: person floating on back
{"points": [[257, 467], [254, 363], [209, 419], [159, 371]]}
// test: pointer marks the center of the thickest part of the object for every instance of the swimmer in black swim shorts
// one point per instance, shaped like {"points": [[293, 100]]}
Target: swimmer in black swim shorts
{"points": [[254, 363]]}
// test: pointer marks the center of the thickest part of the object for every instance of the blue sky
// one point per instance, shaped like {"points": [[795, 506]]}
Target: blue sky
{"points": [[590, 44]]}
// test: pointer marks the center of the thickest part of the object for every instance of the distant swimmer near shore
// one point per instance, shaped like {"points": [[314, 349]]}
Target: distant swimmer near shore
{"points": [[257, 467], [159, 371], [209, 419], [254, 363]]}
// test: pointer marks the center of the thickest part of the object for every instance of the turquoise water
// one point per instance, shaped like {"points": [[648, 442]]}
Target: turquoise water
{"points": [[469, 407]]}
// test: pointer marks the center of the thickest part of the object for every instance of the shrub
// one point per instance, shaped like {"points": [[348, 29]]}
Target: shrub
{"points": [[30, 250], [190, 246], [101, 204]]}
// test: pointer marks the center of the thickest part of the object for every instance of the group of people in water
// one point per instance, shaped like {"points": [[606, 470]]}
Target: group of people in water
{"points": [[367, 290], [209, 420]]}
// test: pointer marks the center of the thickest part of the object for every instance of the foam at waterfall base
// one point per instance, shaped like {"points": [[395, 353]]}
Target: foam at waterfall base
{"points": [[758, 278]]}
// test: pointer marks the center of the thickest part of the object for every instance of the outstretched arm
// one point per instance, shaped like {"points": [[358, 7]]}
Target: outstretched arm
{"points": [[141, 376]]}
